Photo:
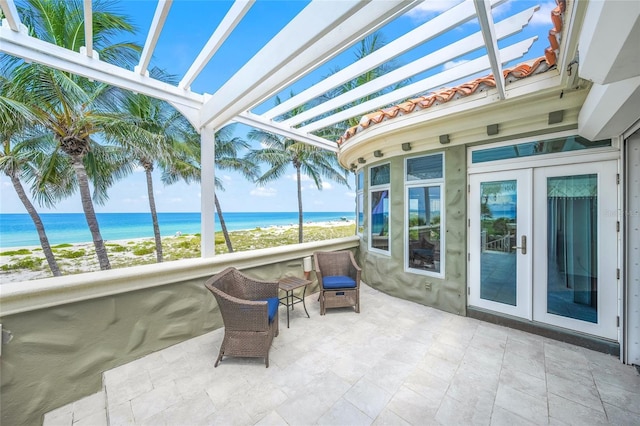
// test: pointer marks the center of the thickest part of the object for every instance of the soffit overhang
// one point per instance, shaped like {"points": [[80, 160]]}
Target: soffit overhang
{"points": [[524, 112]]}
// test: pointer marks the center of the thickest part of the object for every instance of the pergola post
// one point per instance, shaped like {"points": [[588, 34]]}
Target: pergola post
{"points": [[207, 191]]}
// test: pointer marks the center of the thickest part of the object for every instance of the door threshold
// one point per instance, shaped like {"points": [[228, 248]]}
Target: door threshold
{"points": [[556, 333]]}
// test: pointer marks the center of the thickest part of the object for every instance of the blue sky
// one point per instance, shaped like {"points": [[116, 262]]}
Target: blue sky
{"points": [[188, 27]]}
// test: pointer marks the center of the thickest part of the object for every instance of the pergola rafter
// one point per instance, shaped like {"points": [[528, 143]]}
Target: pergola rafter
{"points": [[160, 16], [315, 36]]}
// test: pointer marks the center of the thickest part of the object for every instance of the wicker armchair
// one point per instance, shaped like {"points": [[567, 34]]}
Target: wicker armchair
{"points": [[249, 309], [339, 279]]}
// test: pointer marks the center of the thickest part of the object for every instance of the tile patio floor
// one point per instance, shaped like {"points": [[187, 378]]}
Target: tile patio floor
{"points": [[395, 363]]}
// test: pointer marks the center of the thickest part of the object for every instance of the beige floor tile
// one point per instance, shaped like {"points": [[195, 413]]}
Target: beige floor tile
{"points": [[520, 403], [368, 397], [344, 413], [572, 413]]}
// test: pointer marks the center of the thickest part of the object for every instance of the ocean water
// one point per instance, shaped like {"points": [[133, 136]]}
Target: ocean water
{"points": [[17, 230]]}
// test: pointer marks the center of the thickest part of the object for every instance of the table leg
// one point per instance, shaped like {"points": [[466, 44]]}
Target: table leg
{"points": [[291, 291], [304, 305]]}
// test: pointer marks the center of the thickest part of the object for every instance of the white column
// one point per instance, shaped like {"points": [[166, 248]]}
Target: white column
{"points": [[207, 188]]}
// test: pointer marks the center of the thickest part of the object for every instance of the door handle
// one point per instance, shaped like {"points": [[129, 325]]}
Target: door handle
{"points": [[523, 244]]}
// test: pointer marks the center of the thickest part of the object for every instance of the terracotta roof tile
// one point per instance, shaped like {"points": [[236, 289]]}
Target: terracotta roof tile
{"points": [[524, 70]]}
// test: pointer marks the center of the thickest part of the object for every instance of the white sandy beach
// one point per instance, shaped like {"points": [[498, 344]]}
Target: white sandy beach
{"points": [[86, 260]]}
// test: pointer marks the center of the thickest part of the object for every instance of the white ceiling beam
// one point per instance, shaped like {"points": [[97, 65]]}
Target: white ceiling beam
{"points": [[31, 49], [505, 28], [483, 8], [88, 28], [159, 18], [465, 70], [270, 126], [321, 31], [447, 20], [10, 14], [222, 32]]}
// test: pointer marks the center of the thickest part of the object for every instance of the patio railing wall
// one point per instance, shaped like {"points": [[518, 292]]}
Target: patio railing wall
{"points": [[61, 334]]}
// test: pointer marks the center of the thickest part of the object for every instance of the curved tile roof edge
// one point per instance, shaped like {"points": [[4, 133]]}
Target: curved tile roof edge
{"points": [[521, 71]]}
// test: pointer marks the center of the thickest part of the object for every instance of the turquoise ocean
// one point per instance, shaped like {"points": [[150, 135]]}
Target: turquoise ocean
{"points": [[17, 230]]}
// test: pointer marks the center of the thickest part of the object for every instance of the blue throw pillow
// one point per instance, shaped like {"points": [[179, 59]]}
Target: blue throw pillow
{"points": [[272, 307], [338, 281]]}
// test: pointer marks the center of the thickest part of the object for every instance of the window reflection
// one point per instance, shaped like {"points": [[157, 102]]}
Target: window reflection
{"points": [[380, 219], [424, 210]]}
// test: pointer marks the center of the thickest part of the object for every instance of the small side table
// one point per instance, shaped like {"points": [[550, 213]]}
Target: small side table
{"points": [[288, 284]]}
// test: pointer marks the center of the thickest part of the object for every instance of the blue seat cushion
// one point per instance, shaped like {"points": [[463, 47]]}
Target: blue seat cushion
{"points": [[272, 307], [338, 281]]}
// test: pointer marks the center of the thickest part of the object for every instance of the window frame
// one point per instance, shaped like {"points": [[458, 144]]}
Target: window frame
{"points": [[422, 183], [370, 191]]}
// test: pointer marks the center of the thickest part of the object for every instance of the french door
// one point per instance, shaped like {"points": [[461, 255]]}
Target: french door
{"points": [[543, 245]]}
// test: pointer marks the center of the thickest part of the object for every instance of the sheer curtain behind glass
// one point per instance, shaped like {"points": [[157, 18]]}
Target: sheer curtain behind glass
{"points": [[572, 241]]}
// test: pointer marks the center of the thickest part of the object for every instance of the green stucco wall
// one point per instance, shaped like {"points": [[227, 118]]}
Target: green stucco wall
{"points": [[386, 273]]}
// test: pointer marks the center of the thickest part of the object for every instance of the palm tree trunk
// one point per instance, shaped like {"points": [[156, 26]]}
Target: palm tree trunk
{"points": [[90, 214], [300, 236], [223, 225], [154, 214], [35, 217]]}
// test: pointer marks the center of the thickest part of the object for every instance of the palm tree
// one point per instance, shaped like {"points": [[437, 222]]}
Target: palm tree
{"points": [[366, 46], [156, 125], [186, 165], [17, 159], [280, 152], [74, 109]]}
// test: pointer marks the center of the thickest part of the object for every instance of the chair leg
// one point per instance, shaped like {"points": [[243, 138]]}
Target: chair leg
{"points": [[220, 355], [266, 360]]}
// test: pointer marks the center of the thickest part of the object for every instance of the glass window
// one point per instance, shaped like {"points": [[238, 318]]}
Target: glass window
{"points": [[424, 190], [528, 149], [422, 168], [360, 202], [381, 175], [379, 224], [425, 227]]}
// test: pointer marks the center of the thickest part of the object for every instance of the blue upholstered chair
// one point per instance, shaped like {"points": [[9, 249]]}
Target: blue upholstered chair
{"points": [[339, 278]]}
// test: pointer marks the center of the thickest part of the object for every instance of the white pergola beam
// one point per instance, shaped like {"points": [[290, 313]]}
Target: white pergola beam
{"points": [[88, 28], [483, 8], [222, 32], [505, 28], [10, 14], [465, 70], [447, 20], [320, 32], [31, 49], [270, 126], [159, 18]]}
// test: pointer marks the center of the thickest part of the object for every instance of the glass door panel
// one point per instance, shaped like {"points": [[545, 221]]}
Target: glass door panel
{"points": [[575, 223], [498, 230], [500, 265]]}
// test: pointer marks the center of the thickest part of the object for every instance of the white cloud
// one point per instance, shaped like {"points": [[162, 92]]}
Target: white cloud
{"points": [[453, 64], [543, 15], [264, 192], [138, 169], [327, 185], [227, 178], [7, 184], [350, 194], [303, 178], [431, 7]]}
